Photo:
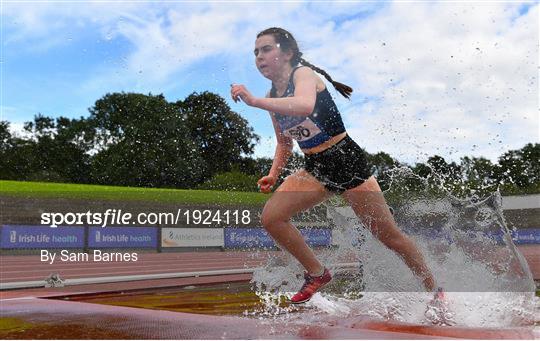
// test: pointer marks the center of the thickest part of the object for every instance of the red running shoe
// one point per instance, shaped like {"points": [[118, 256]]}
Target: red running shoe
{"points": [[438, 311], [439, 294], [311, 286]]}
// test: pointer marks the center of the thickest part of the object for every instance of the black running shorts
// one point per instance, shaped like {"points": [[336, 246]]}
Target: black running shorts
{"points": [[340, 167]]}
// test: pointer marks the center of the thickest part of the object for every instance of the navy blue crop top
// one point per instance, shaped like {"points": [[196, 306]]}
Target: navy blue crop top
{"points": [[320, 126]]}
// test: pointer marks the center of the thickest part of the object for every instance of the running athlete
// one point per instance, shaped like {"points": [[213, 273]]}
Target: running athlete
{"points": [[301, 108]]}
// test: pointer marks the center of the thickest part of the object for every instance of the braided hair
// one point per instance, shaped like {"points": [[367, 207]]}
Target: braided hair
{"points": [[287, 42]]}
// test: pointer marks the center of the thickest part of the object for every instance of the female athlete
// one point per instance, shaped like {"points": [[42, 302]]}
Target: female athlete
{"points": [[301, 108]]}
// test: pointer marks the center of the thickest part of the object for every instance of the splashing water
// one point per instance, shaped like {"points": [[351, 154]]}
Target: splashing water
{"points": [[465, 243]]}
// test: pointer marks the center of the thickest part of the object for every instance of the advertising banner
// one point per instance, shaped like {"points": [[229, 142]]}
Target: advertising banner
{"points": [[236, 238], [33, 237], [438, 233], [191, 237], [122, 237], [526, 236], [317, 237]]}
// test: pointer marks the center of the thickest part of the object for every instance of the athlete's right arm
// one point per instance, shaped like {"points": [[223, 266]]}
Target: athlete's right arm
{"points": [[281, 156], [283, 150]]}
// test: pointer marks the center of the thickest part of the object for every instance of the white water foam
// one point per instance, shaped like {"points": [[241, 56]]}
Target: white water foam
{"points": [[466, 245]]}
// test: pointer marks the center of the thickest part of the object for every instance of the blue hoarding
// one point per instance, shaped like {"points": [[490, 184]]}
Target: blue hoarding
{"points": [[122, 237], [519, 236], [28, 237], [247, 238], [526, 236], [317, 237], [258, 237]]}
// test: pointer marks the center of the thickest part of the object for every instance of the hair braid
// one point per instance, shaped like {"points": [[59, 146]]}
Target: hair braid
{"points": [[343, 89]]}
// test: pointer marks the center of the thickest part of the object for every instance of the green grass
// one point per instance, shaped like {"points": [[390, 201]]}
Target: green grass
{"points": [[96, 192]]}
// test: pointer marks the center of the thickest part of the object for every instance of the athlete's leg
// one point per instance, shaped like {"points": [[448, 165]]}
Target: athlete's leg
{"points": [[368, 203], [297, 193]]}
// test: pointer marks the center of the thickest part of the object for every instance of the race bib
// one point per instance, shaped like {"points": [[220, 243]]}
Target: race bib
{"points": [[303, 131]]}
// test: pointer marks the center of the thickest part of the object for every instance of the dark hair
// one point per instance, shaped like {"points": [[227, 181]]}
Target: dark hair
{"points": [[287, 42]]}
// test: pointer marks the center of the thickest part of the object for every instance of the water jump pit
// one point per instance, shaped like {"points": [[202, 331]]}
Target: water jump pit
{"points": [[230, 310]]}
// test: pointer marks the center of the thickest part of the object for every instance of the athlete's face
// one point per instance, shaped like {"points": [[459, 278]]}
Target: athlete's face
{"points": [[269, 57]]}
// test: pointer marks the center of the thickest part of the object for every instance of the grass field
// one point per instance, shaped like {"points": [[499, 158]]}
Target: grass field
{"points": [[97, 192]]}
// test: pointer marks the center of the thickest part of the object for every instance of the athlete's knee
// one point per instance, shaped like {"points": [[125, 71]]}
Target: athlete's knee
{"points": [[271, 220]]}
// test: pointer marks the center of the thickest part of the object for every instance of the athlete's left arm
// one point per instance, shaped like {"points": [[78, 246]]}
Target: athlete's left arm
{"points": [[301, 104]]}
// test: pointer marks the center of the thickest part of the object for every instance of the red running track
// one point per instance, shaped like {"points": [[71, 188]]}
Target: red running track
{"points": [[30, 268]]}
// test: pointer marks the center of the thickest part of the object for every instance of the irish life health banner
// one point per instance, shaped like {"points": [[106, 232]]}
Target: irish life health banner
{"points": [[34, 237], [122, 237]]}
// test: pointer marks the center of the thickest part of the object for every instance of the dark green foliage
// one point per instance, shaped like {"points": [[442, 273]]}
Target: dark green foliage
{"points": [[379, 164], [49, 155], [519, 170], [134, 139], [259, 166], [221, 136], [142, 140]]}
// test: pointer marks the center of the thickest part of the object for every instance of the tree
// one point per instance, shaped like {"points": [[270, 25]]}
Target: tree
{"points": [[519, 170], [57, 157], [422, 170], [142, 140], [222, 136], [78, 132], [6, 141], [478, 174], [13, 155], [259, 166], [45, 155], [379, 164]]}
